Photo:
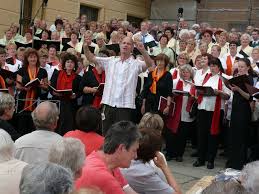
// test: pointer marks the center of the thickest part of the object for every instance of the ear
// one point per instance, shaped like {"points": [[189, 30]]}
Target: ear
{"points": [[120, 148]]}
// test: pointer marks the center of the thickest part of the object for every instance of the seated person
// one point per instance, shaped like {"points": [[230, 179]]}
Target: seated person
{"points": [[46, 178], [88, 121], [10, 168], [69, 153], [102, 167], [34, 147], [7, 108], [141, 175]]}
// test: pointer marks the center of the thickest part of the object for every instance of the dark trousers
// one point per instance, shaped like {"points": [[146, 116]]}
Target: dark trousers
{"points": [[207, 143], [112, 115], [176, 142]]}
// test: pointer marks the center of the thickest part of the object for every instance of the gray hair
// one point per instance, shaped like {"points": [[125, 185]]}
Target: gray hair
{"points": [[188, 68], [45, 115], [224, 187], [69, 153], [250, 177], [123, 132], [46, 178], [6, 102], [7, 147], [246, 35]]}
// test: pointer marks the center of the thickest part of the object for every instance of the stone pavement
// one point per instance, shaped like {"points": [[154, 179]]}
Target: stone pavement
{"points": [[187, 175]]}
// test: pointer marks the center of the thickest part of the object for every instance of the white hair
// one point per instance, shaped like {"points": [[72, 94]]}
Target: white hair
{"points": [[193, 32], [195, 26], [6, 146], [46, 178], [182, 32], [250, 177], [69, 153], [246, 35]]}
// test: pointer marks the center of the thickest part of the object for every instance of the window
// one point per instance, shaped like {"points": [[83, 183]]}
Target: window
{"points": [[90, 12]]}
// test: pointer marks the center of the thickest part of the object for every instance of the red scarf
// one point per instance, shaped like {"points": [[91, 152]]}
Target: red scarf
{"points": [[65, 81], [2, 82], [215, 125], [31, 94], [229, 65], [100, 79], [155, 78], [174, 76], [172, 122]]}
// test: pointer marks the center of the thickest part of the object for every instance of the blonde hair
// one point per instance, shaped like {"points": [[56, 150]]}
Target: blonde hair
{"points": [[151, 121]]}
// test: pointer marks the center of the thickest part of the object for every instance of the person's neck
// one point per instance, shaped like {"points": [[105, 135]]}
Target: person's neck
{"points": [[222, 44], [244, 46], [110, 161], [32, 66], [52, 58], [205, 68], [233, 53], [69, 72], [124, 57], [163, 46]]}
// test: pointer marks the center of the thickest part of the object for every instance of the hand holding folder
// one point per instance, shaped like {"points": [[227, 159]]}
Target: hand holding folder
{"points": [[100, 89]]}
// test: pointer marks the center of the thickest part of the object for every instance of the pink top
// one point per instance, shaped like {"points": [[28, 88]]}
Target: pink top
{"points": [[91, 140], [96, 174]]}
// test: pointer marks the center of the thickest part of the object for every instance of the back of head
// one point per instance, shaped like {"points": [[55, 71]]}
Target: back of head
{"points": [[149, 144], [123, 132], [88, 119], [152, 121], [6, 146], [45, 116], [250, 177], [46, 178], [224, 187], [69, 153]]}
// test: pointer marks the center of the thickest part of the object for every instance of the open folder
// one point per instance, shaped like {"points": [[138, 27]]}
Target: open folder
{"points": [[100, 89], [5, 90], [33, 83], [7, 74], [206, 90], [66, 92], [252, 91], [163, 104], [239, 81], [181, 92]]}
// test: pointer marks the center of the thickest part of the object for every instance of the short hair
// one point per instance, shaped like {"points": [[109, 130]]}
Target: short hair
{"points": [[10, 44], [46, 178], [187, 67], [149, 144], [170, 29], [28, 52], [234, 42], [217, 47], [162, 57], [217, 62], [53, 46], [209, 56], [51, 116], [43, 52], [246, 35], [69, 153], [2, 51], [88, 119], [186, 56], [21, 49], [58, 21], [7, 147], [151, 121], [224, 187], [164, 36], [123, 132], [69, 56], [6, 102], [250, 177]]}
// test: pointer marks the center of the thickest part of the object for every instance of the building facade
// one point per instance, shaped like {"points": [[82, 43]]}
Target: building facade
{"points": [[12, 11]]}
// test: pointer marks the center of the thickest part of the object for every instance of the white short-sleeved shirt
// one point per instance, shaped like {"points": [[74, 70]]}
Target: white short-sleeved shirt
{"points": [[208, 102], [199, 76], [120, 80], [185, 116]]}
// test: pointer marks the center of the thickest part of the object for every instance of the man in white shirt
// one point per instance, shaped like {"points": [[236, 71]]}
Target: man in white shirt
{"points": [[121, 80], [35, 146], [145, 36]]}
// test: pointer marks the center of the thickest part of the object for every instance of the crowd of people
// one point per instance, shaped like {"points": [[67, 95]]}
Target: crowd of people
{"points": [[100, 107]]}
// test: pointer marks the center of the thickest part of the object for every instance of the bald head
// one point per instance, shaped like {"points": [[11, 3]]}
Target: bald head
{"points": [[45, 115]]}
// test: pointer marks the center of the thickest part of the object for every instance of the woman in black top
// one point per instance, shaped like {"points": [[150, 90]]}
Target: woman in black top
{"points": [[240, 119], [159, 83], [66, 79], [27, 95]]}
